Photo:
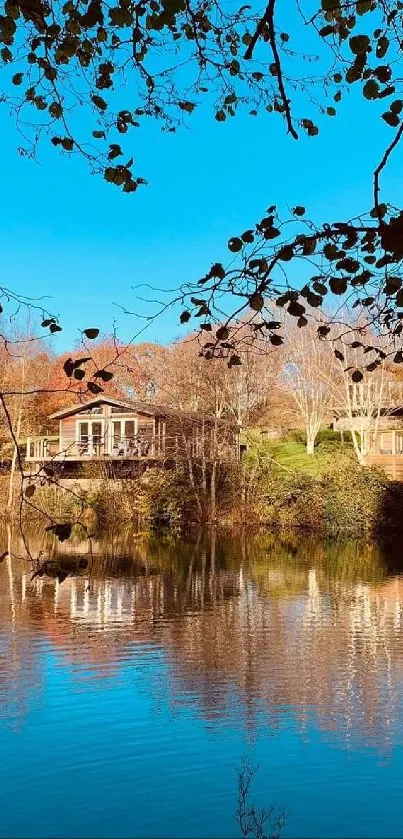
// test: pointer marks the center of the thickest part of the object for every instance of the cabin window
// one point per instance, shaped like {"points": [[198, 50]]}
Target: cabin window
{"points": [[97, 433], [385, 443], [116, 432], [399, 442], [129, 429], [32, 449], [83, 432]]}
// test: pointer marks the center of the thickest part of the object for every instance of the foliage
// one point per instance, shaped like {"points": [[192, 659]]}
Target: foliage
{"points": [[359, 261], [341, 497], [61, 55], [169, 54]]}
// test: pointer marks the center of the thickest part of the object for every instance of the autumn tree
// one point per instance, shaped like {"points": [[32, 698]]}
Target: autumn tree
{"points": [[361, 404], [106, 366], [308, 377], [24, 362]]}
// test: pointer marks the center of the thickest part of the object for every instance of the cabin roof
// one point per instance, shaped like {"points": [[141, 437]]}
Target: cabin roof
{"points": [[145, 408], [124, 404]]}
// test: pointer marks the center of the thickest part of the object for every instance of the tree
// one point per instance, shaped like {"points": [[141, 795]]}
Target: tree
{"points": [[24, 362], [108, 366], [361, 404], [308, 375]]}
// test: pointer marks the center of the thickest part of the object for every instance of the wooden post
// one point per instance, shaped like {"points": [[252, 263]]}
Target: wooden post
{"points": [[394, 443]]}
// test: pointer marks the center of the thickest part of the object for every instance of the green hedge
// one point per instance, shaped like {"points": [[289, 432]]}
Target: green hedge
{"points": [[347, 498]]}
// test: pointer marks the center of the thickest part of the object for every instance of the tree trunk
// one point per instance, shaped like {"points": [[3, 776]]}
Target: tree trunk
{"points": [[203, 464], [213, 479], [17, 436], [310, 444], [14, 460], [213, 499], [357, 443], [192, 480]]}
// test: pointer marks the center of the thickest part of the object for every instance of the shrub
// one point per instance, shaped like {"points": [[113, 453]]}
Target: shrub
{"points": [[344, 497]]}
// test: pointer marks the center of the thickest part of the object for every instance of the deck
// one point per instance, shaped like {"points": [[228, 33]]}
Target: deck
{"points": [[42, 449]]}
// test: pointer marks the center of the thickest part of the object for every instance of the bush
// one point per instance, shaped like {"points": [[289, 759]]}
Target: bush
{"points": [[344, 497]]}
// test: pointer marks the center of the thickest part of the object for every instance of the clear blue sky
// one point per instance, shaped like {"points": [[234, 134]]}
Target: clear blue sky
{"points": [[69, 235]]}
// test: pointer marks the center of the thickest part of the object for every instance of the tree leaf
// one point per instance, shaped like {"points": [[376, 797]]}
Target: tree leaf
{"points": [[235, 361], [295, 309], [371, 89], [235, 244], [94, 388], [360, 44], [323, 331], [222, 333], [338, 285], [382, 46], [104, 375], [91, 333], [256, 302], [68, 367], [391, 119], [62, 531]]}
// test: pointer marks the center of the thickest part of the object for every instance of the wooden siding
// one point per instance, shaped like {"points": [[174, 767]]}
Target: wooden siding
{"points": [[67, 433], [391, 464]]}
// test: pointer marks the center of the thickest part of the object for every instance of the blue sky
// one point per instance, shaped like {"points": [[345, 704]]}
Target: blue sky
{"points": [[71, 236]]}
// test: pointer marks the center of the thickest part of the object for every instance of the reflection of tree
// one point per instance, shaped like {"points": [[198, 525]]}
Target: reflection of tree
{"points": [[20, 665], [253, 628]]}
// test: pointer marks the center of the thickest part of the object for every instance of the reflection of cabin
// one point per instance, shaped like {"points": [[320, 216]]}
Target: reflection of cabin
{"points": [[379, 419], [106, 429]]}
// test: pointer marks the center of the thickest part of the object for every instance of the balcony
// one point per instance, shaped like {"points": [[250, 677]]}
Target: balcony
{"points": [[95, 448]]}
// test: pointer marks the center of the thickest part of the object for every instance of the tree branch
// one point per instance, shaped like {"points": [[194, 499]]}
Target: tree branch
{"points": [[381, 166], [268, 19]]}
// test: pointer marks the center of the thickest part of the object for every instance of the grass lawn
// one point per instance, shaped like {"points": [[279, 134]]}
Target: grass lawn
{"points": [[293, 456]]}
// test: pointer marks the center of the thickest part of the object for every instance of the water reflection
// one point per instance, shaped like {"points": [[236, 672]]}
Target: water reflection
{"points": [[250, 629]]}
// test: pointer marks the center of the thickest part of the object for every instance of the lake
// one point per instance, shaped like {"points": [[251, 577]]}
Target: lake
{"points": [[132, 692]]}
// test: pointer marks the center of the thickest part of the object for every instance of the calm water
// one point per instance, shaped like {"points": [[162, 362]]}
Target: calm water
{"points": [[130, 695]]}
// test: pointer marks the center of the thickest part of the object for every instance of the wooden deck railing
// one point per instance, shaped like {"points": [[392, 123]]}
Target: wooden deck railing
{"points": [[42, 448]]}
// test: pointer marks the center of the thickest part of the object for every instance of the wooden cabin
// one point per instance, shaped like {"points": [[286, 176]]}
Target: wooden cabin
{"points": [[106, 429], [385, 448], [379, 420]]}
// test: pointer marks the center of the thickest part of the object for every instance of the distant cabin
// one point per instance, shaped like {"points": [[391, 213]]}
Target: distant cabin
{"points": [[379, 422], [106, 429]]}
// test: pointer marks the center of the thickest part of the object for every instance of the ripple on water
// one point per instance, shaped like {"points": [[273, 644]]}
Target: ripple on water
{"points": [[127, 700]]}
